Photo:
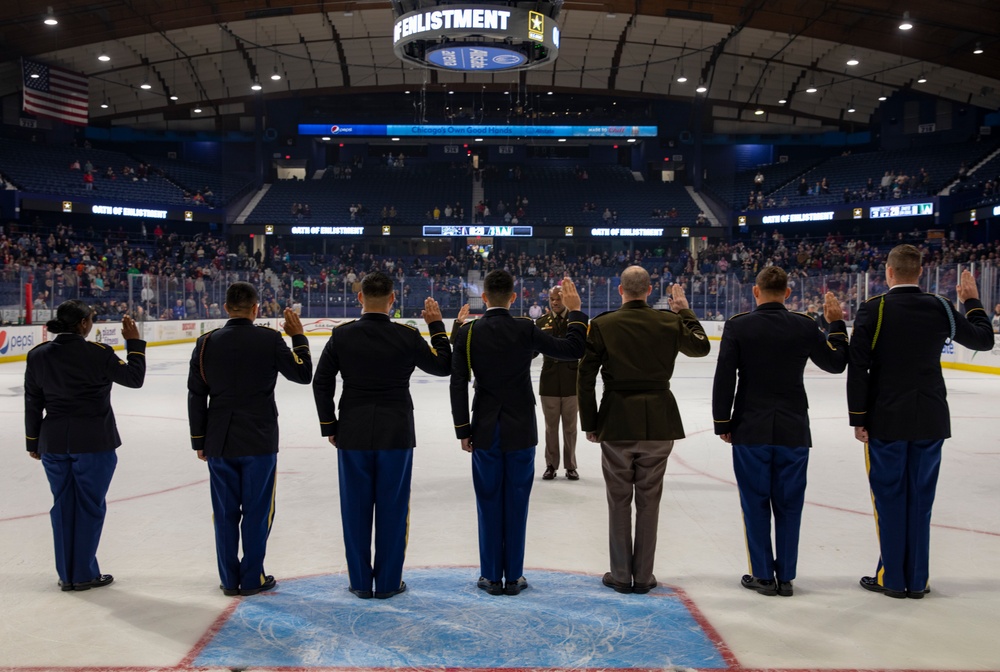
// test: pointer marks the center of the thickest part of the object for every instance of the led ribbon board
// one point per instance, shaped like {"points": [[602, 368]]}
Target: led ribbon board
{"points": [[478, 38], [473, 130]]}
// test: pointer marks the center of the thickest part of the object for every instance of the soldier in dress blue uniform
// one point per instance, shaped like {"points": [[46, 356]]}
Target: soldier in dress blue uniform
{"points": [[502, 433], [896, 398], [70, 427], [766, 418], [374, 434], [234, 427]]}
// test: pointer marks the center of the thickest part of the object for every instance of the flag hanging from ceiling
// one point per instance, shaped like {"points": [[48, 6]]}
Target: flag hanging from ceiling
{"points": [[54, 93]]}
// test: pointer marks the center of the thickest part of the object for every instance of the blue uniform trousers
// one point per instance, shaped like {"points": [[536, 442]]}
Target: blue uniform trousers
{"points": [[502, 481], [771, 480], [79, 484], [243, 490], [903, 477], [375, 484]]}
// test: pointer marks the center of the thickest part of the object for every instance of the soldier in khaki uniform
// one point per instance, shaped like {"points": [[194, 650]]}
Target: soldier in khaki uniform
{"points": [[634, 349], [557, 390]]}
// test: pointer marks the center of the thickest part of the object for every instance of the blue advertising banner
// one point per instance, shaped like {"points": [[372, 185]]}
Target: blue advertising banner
{"points": [[480, 131]]}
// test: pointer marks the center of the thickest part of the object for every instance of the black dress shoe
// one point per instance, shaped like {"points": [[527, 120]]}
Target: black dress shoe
{"points": [[785, 588], [762, 586], [515, 587], [643, 588], [491, 587], [614, 585], [917, 594], [386, 596], [229, 592], [871, 583], [269, 584], [572, 475], [550, 473], [65, 587], [363, 594], [99, 582]]}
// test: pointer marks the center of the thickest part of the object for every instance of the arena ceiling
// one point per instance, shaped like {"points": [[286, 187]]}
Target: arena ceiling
{"points": [[750, 55]]}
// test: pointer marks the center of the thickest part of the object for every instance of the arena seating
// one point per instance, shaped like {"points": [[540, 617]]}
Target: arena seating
{"points": [[413, 190], [194, 177], [45, 170], [557, 195], [736, 192]]}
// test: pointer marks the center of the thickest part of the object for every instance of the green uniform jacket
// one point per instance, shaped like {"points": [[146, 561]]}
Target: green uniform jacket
{"points": [[634, 349], [558, 378]]}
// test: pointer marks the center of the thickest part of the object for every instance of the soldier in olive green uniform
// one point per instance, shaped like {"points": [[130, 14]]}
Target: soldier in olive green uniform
{"points": [[634, 349], [557, 390]]}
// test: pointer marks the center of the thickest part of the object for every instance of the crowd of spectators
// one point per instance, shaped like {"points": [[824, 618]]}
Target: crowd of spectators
{"points": [[177, 278]]}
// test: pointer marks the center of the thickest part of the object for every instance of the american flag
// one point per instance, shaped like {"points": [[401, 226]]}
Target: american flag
{"points": [[54, 93]]}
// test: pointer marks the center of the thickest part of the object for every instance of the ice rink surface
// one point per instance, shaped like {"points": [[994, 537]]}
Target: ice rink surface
{"points": [[165, 611]]}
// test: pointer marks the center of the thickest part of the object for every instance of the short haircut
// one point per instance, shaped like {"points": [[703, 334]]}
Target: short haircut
{"points": [[772, 280], [241, 297], [635, 281], [69, 315], [905, 261], [376, 285], [498, 286]]}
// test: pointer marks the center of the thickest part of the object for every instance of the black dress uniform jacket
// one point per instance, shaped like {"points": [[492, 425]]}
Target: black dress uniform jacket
{"points": [[375, 357], [769, 348], [895, 388], [70, 379], [498, 348], [634, 348], [558, 378], [231, 408]]}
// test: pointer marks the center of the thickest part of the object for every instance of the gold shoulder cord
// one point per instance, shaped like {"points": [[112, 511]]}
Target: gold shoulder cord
{"points": [[878, 325], [468, 347], [201, 359]]}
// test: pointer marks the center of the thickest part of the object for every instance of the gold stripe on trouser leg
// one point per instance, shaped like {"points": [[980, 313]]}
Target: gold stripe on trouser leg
{"points": [[746, 540], [270, 514], [878, 532]]}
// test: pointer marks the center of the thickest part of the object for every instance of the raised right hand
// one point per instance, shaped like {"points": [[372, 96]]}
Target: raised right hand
{"points": [[677, 299], [967, 287], [293, 325], [432, 311], [831, 308], [463, 314], [130, 332], [570, 297]]}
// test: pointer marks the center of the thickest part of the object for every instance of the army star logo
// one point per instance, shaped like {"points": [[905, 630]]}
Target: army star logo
{"points": [[536, 22], [536, 26]]}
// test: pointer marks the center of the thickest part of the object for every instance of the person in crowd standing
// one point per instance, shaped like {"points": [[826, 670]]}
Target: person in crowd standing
{"points": [[634, 348], [234, 428], [502, 433], [896, 399], [70, 426], [766, 419], [557, 392], [374, 433]]}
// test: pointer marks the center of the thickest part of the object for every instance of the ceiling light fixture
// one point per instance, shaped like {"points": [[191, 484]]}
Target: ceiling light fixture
{"points": [[406, 92], [850, 108], [922, 79], [979, 48], [906, 25], [702, 88], [549, 93], [103, 58], [325, 138], [882, 98], [758, 112], [630, 140], [562, 139], [682, 79], [197, 110], [451, 93], [782, 101], [853, 61], [274, 75], [50, 18], [256, 85], [145, 86], [173, 98], [104, 105], [35, 75]]}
